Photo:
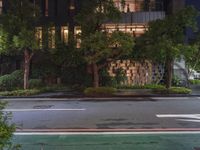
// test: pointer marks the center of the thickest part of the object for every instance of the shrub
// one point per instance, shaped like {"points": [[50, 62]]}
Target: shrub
{"points": [[100, 91], [173, 90], [195, 81], [11, 81], [147, 86], [35, 83], [20, 92]]}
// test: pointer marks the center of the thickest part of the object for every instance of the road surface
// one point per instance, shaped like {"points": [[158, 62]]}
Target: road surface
{"points": [[135, 114]]}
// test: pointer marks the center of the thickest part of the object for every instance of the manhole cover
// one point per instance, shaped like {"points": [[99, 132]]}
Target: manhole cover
{"points": [[196, 148], [42, 106]]}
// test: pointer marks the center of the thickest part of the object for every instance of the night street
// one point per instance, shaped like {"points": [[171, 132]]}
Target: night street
{"points": [[155, 113]]}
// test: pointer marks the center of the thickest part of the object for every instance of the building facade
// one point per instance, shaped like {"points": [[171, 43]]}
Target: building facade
{"points": [[135, 16]]}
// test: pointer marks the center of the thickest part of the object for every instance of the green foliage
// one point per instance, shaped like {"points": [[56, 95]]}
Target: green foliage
{"points": [[100, 91], [176, 81], [193, 54], [21, 92], [93, 13], [35, 83], [165, 38], [147, 86], [18, 25], [11, 81], [100, 46], [6, 129], [173, 90], [34, 91], [194, 82]]}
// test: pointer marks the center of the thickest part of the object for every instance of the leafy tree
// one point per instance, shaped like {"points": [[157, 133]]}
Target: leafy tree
{"points": [[6, 130], [94, 13], [98, 47], [165, 39], [193, 54], [101, 48], [18, 28]]}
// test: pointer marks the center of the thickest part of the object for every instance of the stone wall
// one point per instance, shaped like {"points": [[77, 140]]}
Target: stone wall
{"points": [[138, 73]]}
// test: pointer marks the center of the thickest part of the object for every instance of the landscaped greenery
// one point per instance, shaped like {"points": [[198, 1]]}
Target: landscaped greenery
{"points": [[100, 91], [147, 86], [173, 90], [30, 92], [6, 130], [195, 81]]}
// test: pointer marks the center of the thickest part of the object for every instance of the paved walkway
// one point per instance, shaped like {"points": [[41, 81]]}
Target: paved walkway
{"points": [[195, 89]]}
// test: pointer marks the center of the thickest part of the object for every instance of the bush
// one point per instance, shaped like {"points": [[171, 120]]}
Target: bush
{"points": [[195, 82], [35, 83], [173, 90], [11, 81], [20, 92], [147, 86], [100, 91]]}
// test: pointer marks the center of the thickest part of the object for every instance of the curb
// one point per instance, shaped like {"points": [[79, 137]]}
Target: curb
{"points": [[64, 97]]}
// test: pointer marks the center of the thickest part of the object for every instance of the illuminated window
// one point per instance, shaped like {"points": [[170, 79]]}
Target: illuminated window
{"points": [[38, 35], [77, 32], [1, 6], [46, 8], [65, 34], [134, 30], [72, 5], [136, 5], [52, 32]]}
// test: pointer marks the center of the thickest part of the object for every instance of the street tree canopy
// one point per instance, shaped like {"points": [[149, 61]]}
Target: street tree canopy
{"points": [[98, 46], [101, 48], [18, 32], [165, 39]]}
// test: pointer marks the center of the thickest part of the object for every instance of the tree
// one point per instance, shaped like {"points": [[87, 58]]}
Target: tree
{"points": [[96, 45], [18, 26], [193, 54], [6, 130], [101, 48], [164, 42]]}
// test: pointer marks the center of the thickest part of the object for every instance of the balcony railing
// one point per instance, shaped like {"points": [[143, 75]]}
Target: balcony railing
{"points": [[141, 17]]}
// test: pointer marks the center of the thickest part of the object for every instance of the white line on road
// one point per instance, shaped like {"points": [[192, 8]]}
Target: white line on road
{"points": [[189, 116], [189, 120], [170, 98], [106, 133], [28, 110]]}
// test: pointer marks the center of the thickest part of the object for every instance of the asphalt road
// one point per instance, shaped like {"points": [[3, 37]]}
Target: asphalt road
{"points": [[167, 113]]}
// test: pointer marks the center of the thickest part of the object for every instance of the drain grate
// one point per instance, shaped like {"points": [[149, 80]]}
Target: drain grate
{"points": [[42, 106]]}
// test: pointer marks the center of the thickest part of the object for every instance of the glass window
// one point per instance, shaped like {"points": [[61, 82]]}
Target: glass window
{"points": [[135, 5], [52, 32], [38, 35], [65, 34], [134, 30], [1, 6], [77, 32], [72, 5]]}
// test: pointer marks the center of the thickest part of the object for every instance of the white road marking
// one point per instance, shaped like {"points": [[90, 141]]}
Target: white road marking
{"points": [[28, 110], [189, 116], [182, 117], [106, 133], [189, 120], [158, 98]]}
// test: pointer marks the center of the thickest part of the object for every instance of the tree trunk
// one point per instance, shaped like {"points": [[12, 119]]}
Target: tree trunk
{"points": [[169, 74], [27, 59], [95, 75]]}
